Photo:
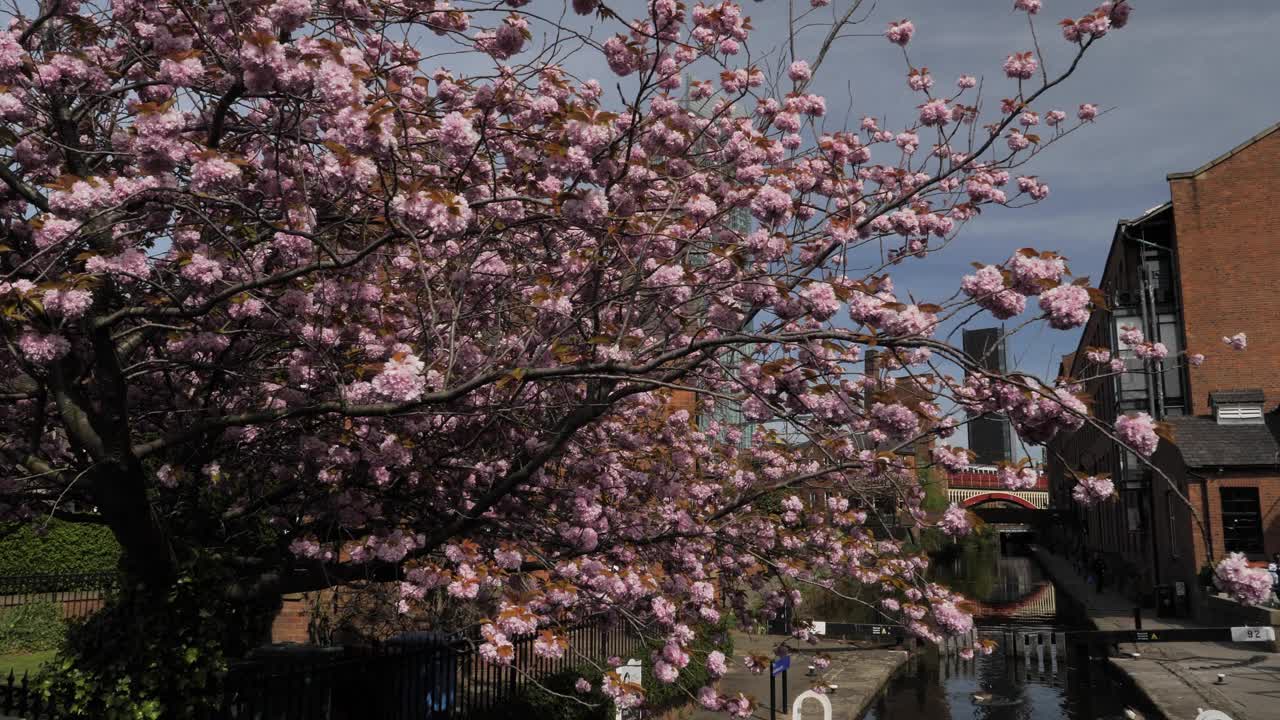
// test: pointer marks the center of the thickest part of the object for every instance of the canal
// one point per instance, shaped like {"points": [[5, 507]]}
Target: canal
{"points": [[1011, 593]]}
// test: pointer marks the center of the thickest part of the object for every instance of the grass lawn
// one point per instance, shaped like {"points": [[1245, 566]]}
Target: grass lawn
{"points": [[22, 662]]}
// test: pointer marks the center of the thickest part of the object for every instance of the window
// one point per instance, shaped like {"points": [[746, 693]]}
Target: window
{"points": [[1173, 523], [1241, 520], [1172, 372], [1159, 274], [1133, 383]]}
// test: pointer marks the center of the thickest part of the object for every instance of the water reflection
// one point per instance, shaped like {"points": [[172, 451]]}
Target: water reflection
{"points": [[1006, 588], [999, 687], [1009, 590]]}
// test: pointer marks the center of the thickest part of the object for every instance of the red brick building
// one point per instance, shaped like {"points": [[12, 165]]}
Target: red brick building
{"points": [[1188, 272]]}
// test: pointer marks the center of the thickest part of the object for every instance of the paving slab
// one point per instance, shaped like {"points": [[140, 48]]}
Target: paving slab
{"points": [[859, 670]]}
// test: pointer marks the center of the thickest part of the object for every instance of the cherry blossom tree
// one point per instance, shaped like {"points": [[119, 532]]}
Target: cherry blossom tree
{"points": [[298, 294]]}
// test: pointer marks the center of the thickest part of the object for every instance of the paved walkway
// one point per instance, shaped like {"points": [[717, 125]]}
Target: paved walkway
{"points": [[1179, 677], [860, 672]]}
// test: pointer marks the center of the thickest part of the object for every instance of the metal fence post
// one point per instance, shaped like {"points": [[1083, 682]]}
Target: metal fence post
{"points": [[773, 697]]}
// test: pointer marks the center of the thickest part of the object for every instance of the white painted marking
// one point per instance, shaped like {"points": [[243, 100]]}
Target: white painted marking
{"points": [[825, 702]]}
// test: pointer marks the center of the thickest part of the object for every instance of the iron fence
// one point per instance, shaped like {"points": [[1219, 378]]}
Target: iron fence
{"points": [[79, 594], [422, 677]]}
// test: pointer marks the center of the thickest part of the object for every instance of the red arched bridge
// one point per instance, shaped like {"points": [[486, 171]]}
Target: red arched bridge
{"points": [[979, 486]]}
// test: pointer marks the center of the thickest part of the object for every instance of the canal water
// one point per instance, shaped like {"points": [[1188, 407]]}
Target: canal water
{"points": [[1012, 593]]}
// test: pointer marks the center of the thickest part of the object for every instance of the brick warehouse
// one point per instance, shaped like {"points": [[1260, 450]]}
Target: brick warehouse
{"points": [[1190, 271]]}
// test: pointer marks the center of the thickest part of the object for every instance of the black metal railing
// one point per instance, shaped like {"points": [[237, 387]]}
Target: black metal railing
{"points": [[440, 677], [433, 679], [79, 594]]}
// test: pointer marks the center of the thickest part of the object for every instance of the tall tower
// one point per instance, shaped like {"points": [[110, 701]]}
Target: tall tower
{"points": [[989, 435]]}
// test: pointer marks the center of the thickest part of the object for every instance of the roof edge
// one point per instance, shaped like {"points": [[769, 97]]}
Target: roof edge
{"points": [[1116, 239], [1223, 157], [1149, 214]]}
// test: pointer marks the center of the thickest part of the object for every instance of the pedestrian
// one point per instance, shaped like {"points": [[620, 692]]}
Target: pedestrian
{"points": [[1099, 569]]}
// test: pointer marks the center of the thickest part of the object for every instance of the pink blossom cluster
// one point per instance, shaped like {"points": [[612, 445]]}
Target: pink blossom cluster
{"points": [[42, 348], [895, 420], [935, 113], [950, 458], [955, 521], [496, 648], [1013, 477], [401, 378], [951, 619], [1033, 187], [1037, 412], [1092, 489], [1152, 351], [1131, 335], [1031, 273], [1248, 585], [900, 32], [1021, 65], [445, 215], [1237, 341], [67, 304], [919, 80], [1138, 431], [126, 268], [214, 174], [1067, 306], [987, 288], [1108, 15]]}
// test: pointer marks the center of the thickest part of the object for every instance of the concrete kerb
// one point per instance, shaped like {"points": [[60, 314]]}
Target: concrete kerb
{"points": [[861, 674]]}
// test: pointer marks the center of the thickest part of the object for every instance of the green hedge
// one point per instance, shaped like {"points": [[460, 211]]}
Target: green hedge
{"points": [[64, 548], [659, 697], [31, 628]]}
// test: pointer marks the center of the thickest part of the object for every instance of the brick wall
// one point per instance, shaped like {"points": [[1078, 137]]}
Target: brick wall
{"points": [[291, 622], [684, 400], [1227, 221], [1268, 485]]}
